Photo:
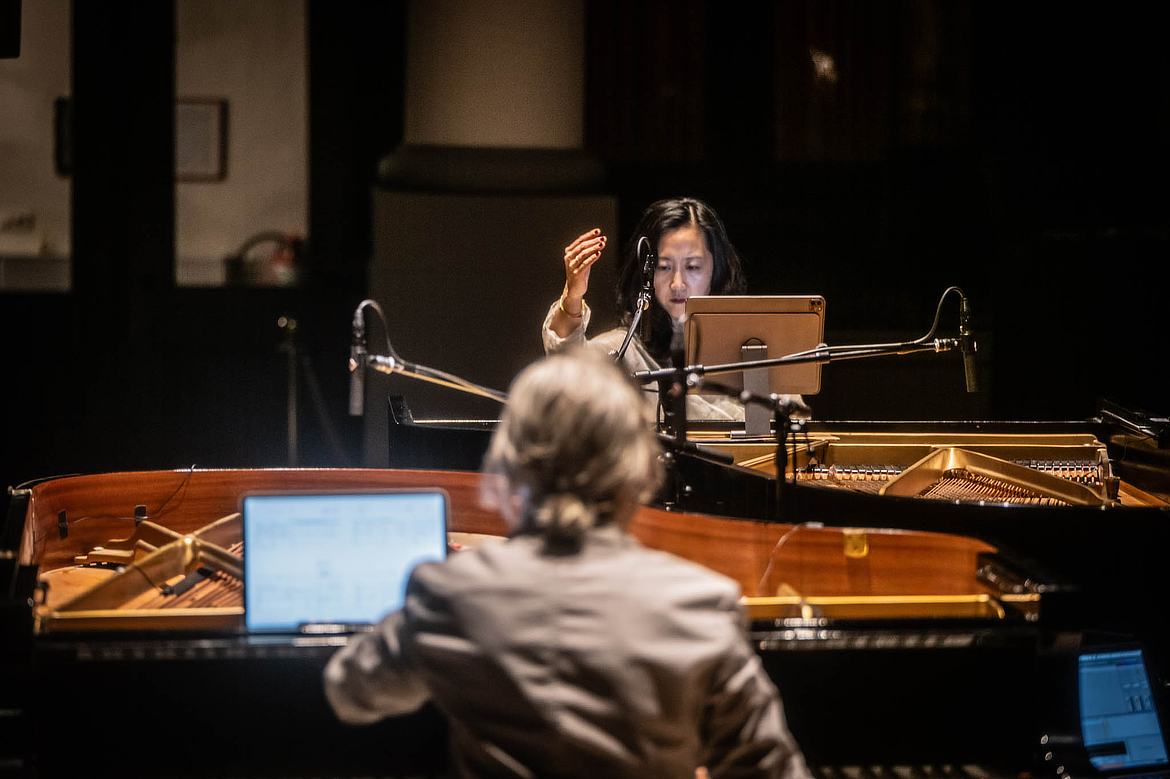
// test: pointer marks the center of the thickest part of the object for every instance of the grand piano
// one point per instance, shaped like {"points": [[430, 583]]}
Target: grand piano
{"points": [[1075, 516], [916, 590]]}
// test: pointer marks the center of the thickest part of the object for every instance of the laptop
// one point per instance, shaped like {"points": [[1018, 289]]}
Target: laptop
{"points": [[335, 562], [1121, 731]]}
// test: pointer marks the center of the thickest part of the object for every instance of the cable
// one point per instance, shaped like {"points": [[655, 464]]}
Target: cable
{"points": [[175, 492], [158, 512], [448, 380], [422, 372], [780, 543], [138, 568], [922, 340], [370, 303]]}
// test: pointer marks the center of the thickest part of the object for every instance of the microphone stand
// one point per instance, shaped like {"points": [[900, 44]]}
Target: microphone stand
{"points": [[822, 354], [784, 423], [391, 362], [644, 296], [672, 392], [783, 410]]}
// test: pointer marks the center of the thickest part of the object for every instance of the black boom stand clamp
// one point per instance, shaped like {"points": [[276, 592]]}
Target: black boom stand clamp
{"points": [[789, 422]]}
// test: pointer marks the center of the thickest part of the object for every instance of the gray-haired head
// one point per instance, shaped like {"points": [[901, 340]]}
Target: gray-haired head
{"points": [[575, 447]]}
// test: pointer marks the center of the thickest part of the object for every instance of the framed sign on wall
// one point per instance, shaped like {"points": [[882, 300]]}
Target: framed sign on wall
{"points": [[201, 128]]}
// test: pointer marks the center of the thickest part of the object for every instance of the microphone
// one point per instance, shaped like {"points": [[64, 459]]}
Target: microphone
{"points": [[643, 302], [357, 365], [648, 268], [967, 345]]}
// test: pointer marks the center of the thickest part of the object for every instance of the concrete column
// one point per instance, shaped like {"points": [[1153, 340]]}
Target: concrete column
{"points": [[495, 73]]}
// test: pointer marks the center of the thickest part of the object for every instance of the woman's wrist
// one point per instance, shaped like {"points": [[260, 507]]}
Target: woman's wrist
{"points": [[568, 304]]}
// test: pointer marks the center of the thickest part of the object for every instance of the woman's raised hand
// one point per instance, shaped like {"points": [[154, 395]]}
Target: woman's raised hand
{"points": [[579, 258]]}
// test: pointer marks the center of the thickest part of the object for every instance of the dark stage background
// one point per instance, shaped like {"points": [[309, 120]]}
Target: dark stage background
{"points": [[1018, 152]]}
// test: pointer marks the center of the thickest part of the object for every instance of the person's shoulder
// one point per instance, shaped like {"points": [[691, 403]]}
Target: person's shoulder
{"points": [[661, 593], [684, 579], [470, 567], [610, 339], [636, 357]]}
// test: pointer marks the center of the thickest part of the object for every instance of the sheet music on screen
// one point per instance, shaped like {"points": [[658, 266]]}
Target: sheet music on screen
{"points": [[335, 558]]}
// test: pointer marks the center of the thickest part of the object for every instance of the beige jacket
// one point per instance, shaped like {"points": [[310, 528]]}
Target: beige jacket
{"points": [[636, 358], [615, 661]]}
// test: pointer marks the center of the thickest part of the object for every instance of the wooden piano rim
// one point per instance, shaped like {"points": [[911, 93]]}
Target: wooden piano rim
{"points": [[810, 560]]}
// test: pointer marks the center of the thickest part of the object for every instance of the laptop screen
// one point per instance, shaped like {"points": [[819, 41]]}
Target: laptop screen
{"points": [[335, 558], [1120, 727]]}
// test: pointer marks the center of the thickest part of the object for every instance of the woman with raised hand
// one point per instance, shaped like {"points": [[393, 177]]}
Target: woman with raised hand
{"points": [[694, 257]]}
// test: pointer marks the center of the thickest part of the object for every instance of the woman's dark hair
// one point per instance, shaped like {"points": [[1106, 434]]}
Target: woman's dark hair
{"points": [[659, 218]]}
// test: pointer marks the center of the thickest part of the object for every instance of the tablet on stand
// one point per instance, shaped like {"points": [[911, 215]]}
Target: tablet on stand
{"points": [[736, 328]]}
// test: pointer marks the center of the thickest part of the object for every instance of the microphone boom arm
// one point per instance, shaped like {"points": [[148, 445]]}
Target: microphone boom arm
{"points": [[391, 362], [390, 365], [822, 354]]}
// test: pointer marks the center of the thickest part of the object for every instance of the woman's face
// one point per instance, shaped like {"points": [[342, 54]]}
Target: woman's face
{"points": [[684, 268]]}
